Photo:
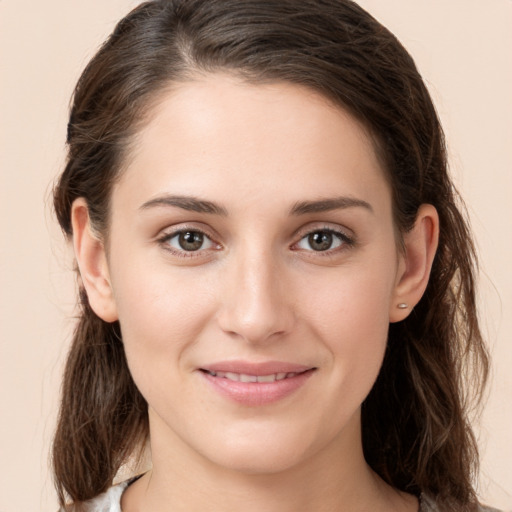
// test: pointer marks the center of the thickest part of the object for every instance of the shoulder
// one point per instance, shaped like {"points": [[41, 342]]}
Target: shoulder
{"points": [[109, 501], [428, 504]]}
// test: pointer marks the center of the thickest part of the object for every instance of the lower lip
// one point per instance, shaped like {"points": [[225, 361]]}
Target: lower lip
{"points": [[257, 393]]}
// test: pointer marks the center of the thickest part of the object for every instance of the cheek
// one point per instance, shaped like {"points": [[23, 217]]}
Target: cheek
{"points": [[161, 313], [354, 302], [353, 320]]}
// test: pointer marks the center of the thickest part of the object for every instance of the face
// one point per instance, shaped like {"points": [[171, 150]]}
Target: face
{"points": [[254, 265]]}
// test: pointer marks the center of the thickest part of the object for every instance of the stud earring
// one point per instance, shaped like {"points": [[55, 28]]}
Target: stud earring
{"points": [[402, 305]]}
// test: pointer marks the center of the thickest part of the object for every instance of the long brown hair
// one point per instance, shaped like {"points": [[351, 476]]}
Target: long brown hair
{"points": [[416, 433]]}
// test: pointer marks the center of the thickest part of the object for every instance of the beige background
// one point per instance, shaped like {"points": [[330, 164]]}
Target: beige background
{"points": [[462, 47]]}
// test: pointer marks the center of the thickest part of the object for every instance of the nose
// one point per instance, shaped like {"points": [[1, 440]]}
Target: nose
{"points": [[256, 305]]}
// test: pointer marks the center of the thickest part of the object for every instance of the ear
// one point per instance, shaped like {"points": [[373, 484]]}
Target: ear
{"points": [[420, 245], [92, 263]]}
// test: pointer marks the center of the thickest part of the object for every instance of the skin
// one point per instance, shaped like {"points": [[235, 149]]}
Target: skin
{"points": [[256, 290]]}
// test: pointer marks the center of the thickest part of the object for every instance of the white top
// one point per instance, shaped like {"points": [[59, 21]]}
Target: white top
{"points": [[110, 501]]}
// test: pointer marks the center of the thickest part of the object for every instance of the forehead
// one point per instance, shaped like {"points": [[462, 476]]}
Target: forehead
{"points": [[217, 134]]}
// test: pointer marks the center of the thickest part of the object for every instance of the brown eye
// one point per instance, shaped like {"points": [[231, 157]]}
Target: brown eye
{"points": [[320, 240], [323, 240], [190, 240]]}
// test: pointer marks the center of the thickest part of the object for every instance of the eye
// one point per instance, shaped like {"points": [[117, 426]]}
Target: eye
{"points": [[188, 240], [323, 240]]}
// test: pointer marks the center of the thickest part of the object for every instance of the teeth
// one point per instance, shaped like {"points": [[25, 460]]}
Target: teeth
{"points": [[248, 378], [267, 378], [243, 377]]}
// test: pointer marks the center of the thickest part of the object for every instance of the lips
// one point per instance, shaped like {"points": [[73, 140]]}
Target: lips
{"points": [[244, 377], [255, 384], [248, 368]]}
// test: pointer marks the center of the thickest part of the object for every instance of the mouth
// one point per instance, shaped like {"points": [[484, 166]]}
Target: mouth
{"points": [[256, 384], [245, 377]]}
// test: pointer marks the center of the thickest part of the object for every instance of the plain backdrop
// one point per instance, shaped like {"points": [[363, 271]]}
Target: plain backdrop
{"points": [[463, 48]]}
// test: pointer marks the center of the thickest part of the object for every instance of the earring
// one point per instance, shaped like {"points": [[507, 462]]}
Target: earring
{"points": [[402, 305]]}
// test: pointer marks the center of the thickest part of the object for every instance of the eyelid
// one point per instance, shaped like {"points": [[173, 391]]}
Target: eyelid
{"points": [[345, 235], [168, 233], [313, 227]]}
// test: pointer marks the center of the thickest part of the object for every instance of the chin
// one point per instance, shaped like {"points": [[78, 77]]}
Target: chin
{"points": [[260, 451]]}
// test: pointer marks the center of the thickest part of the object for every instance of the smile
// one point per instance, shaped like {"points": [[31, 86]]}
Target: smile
{"points": [[256, 385], [244, 377]]}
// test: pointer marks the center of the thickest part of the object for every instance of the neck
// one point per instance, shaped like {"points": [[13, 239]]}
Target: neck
{"points": [[334, 478]]}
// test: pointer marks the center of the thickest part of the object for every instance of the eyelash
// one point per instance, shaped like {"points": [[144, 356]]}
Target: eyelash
{"points": [[182, 253], [346, 242]]}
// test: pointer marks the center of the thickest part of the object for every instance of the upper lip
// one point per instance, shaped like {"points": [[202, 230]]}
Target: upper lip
{"points": [[257, 369]]}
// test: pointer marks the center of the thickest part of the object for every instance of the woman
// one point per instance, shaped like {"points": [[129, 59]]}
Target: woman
{"points": [[277, 284]]}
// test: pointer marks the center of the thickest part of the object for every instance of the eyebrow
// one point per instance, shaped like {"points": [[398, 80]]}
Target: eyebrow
{"points": [[189, 203], [325, 205], [195, 204]]}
